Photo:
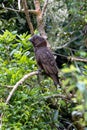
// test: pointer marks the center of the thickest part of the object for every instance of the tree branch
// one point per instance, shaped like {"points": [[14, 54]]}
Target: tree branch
{"points": [[39, 15], [44, 7], [77, 59], [19, 83], [40, 23], [21, 10], [6, 8], [59, 96], [72, 58], [14, 89], [19, 4], [27, 16], [66, 44]]}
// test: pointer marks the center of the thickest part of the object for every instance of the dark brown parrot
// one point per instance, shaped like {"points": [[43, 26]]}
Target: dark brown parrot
{"points": [[45, 58]]}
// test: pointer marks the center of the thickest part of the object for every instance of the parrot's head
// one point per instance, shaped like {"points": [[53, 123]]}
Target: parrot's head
{"points": [[38, 41]]}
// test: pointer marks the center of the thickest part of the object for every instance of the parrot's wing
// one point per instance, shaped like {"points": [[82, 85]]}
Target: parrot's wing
{"points": [[46, 61]]}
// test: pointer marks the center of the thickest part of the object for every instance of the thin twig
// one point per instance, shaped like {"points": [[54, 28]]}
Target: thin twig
{"points": [[44, 7], [15, 10], [66, 44], [58, 96], [21, 10]]}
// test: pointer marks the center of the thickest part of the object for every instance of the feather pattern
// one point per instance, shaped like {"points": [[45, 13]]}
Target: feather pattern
{"points": [[45, 58]]}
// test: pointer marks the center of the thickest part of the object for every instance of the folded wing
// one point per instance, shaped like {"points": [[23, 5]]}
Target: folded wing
{"points": [[46, 61]]}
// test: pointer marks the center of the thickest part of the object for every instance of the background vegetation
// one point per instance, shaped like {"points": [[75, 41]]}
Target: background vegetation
{"points": [[35, 106]]}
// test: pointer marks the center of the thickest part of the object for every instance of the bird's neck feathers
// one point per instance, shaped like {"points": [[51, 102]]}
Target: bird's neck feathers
{"points": [[42, 44]]}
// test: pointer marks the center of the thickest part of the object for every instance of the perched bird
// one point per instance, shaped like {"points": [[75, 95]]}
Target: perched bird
{"points": [[45, 58]]}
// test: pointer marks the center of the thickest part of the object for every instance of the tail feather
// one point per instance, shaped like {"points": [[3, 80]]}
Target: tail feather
{"points": [[56, 80]]}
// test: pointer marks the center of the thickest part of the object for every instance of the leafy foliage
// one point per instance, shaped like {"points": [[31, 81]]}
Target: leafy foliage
{"points": [[34, 105], [30, 107], [65, 21], [11, 20]]}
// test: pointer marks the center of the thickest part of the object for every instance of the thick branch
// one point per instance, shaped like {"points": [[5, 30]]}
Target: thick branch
{"points": [[40, 22], [19, 83], [27, 16], [39, 18]]}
